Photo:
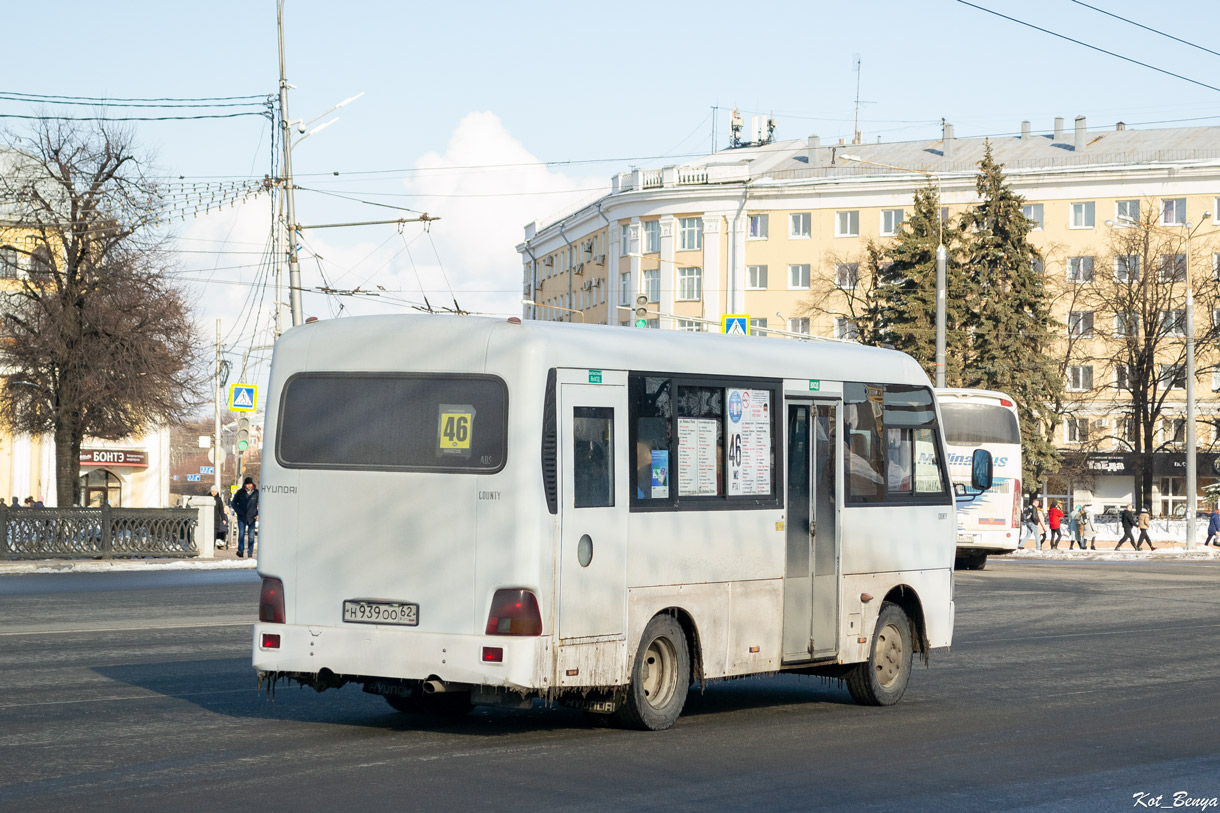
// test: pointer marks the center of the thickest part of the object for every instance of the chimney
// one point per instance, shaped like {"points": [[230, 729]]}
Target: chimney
{"points": [[1025, 129], [1058, 128], [1120, 126], [947, 138], [1081, 133], [813, 150]]}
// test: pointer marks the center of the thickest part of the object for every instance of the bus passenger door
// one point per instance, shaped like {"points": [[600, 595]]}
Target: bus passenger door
{"points": [[593, 504], [811, 593]]}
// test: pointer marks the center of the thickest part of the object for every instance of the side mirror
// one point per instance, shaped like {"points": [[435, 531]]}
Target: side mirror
{"points": [[980, 470]]}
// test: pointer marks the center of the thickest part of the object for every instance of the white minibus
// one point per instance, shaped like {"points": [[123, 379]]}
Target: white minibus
{"points": [[988, 521], [460, 510]]}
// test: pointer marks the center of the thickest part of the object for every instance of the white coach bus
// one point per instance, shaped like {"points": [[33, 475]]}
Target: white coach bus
{"points": [[459, 511], [988, 521]]}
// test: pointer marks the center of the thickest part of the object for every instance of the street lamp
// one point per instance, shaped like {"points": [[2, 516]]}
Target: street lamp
{"points": [[940, 262], [579, 313], [1192, 474]]}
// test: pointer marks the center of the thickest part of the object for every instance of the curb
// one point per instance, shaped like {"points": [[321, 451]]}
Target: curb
{"points": [[123, 565]]}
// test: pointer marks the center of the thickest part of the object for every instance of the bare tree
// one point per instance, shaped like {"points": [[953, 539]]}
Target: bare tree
{"points": [[851, 292], [1135, 307], [95, 341]]}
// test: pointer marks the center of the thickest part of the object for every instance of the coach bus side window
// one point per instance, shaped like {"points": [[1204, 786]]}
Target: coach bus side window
{"points": [[865, 453], [593, 457], [651, 398]]}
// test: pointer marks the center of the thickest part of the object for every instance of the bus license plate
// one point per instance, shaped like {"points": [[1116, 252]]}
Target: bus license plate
{"points": [[357, 611], [965, 539]]}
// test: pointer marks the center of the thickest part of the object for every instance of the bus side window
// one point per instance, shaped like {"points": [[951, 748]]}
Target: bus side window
{"points": [[652, 409], [864, 450], [928, 479], [593, 457]]}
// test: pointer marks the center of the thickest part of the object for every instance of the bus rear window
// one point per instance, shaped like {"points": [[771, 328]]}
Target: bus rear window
{"points": [[393, 422], [972, 424]]}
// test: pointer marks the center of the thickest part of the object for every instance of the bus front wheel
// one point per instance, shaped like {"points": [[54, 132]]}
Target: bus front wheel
{"points": [[883, 678], [659, 679]]}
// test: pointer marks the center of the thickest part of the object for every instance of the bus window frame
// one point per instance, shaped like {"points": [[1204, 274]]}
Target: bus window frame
{"points": [[717, 502]]}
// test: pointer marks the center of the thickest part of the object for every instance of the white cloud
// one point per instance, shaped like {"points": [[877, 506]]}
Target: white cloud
{"points": [[485, 188]]}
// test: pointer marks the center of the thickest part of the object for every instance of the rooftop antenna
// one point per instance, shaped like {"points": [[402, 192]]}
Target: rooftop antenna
{"points": [[855, 66]]}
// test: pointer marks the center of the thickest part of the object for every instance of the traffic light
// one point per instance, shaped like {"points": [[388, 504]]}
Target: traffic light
{"points": [[243, 434], [641, 310]]}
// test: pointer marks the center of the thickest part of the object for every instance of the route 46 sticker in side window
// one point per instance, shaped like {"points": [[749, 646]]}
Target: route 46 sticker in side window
{"points": [[454, 429]]}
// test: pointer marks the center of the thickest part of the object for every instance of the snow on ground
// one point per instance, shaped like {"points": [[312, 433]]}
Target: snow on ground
{"points": [[1126, 554], [113, 565]]}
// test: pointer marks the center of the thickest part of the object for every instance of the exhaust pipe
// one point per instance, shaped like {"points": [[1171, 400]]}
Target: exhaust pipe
{"points": [[434, 687]]}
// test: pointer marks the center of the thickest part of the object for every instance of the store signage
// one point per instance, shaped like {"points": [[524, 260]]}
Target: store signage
{"points": [[113, 457]]}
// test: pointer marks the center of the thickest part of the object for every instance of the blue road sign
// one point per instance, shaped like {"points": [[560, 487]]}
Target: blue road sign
{"points": [[207, 469], [243, 397], [194, 478], [736, 324]]}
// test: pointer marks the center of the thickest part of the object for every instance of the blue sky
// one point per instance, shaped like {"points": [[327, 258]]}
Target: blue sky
{"points": [[454, 85]]}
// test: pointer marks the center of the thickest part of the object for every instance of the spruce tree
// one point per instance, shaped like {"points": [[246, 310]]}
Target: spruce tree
{"points": [[905, 302], [1009, 320]]}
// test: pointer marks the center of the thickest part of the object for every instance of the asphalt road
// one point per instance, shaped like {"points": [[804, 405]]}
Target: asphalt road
{"points": [[1069, 687]]}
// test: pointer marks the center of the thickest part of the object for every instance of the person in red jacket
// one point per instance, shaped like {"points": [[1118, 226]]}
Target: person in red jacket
{"points": [[1055, 515]]}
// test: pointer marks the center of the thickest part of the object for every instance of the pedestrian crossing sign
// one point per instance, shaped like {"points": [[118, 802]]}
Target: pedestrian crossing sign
{"points": [[736, 324], [243, 397]]}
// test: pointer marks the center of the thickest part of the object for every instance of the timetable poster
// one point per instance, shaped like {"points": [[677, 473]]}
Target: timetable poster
{"points": [[748, 424], [696, 457]]}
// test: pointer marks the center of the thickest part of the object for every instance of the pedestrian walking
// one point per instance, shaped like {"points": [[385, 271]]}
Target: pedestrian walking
{"points": [[1127, 517], [1213, 528], [1089, 531], [245, 509], [1145, 521], [221, 518], [1039, 521], [1076, 528], [1055, 515], [1029, 525]]}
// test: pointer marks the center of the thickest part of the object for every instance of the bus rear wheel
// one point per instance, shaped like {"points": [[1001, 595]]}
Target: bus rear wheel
{"points": [[883, 678], [660, 677]]}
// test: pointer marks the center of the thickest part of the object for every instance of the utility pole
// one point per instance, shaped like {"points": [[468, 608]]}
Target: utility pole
{"points": [[217, 451], [294, 267]]}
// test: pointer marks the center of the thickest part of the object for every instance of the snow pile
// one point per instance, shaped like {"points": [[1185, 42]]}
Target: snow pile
{"points": [[1126, 554]]}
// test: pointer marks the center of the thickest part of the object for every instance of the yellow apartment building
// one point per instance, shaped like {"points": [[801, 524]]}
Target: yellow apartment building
{"points": [[773, 230]]}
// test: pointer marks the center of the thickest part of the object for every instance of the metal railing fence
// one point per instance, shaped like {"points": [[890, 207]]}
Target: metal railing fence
{"points": [[97, 533]]}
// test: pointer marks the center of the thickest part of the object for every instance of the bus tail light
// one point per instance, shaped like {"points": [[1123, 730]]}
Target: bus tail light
{"points": [[1016, 503], [514, 612], [271, 601]]}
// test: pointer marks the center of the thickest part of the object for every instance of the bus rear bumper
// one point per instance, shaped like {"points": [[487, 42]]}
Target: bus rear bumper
{"points": [[361, 653]]}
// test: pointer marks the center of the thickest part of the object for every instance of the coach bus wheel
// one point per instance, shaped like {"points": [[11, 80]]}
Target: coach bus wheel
{"points": [[882, 679], [659, 678], [979, 561]]}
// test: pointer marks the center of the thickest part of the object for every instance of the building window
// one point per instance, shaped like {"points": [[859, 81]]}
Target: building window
{"points": [[1077, 430], [1126, 323], [1173, 322], [799, 325], [1216, 267], [1037, 265], [625, 238], [1122, 377], [10, 262], [1080, 324], [1216, 388], [690, 325], [1127, 268], [100, 487], [1126, 431], [847, 275], [690, 284], [1126, 212], [756, 277], [625, 295], [1033, 211], [798, 226], [1173, 212], [846, 329], [758, 227], [1174, 430], [1173, 268], [1080, 269], [758, 327], [652, 236], [1079, 377], [1082, 215], [652, 284], [891, 222], [798, 277], [690, 234], [847, 224], [1172, 377]]}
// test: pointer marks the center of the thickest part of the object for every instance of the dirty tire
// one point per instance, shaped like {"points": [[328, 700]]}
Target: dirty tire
{"points": [[979, 562], [660, 677], [399, 703], [883, 678], [443, 704]]}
